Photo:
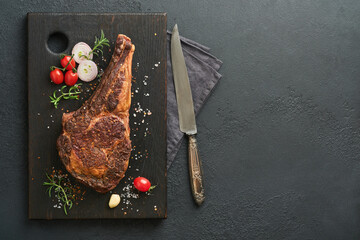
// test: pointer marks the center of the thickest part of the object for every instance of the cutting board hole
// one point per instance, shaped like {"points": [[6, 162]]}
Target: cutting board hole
{"points": [[57, 42]]}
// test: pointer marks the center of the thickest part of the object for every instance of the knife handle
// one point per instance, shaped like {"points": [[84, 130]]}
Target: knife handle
{"points": [[196, 173]]}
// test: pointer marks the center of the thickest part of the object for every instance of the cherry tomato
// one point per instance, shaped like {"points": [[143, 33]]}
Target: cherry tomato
{"points": [[71, 78], [142, 184], [56, 76], [65, 60]]}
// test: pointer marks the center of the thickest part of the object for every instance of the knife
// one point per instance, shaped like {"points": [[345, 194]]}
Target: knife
{"points": [[187, 115]]}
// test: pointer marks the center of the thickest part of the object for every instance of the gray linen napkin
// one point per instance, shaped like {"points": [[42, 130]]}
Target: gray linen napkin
{"points": [[202, 69]]}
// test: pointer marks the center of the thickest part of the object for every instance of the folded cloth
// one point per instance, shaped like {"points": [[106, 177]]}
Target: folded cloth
{"points": [[202, 70]]}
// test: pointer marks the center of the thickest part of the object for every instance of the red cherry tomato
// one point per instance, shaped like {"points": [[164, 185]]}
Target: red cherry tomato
{"points": [[65, 60], [56, 76], [142, 184], [71, 78]]}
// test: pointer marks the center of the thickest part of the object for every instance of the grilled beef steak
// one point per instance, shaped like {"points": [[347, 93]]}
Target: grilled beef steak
{"points": [[95, 143]]}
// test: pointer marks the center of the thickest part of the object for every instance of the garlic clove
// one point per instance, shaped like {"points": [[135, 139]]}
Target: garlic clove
{"points": [[114, 200]]}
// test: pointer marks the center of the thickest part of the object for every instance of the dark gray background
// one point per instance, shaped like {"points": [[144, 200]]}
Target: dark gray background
{"points": [[279, 136]]}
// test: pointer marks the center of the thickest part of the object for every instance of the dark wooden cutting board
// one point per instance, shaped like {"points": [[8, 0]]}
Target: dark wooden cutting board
{"points": [[148, 132]]}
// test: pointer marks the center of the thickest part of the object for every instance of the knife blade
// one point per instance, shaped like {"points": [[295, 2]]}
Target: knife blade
{"points": [[187, 115]]}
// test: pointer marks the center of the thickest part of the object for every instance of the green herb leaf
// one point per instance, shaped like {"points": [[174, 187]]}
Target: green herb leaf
{"points": [[99, 44], [63, 193], [73, 93]]}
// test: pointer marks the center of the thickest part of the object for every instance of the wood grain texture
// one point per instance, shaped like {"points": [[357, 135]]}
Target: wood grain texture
{"points": [[148, 159]]}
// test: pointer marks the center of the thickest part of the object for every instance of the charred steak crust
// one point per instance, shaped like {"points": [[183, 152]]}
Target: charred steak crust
{"points": [[95, 142]]}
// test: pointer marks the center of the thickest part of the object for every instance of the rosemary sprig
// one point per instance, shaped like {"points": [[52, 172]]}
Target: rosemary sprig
{"points": [[63, 193], [73, 93], [99, 44]]}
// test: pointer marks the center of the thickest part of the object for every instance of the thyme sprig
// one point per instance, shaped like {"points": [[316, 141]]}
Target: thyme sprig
{"points": [[73, 93], [62, 192]]}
